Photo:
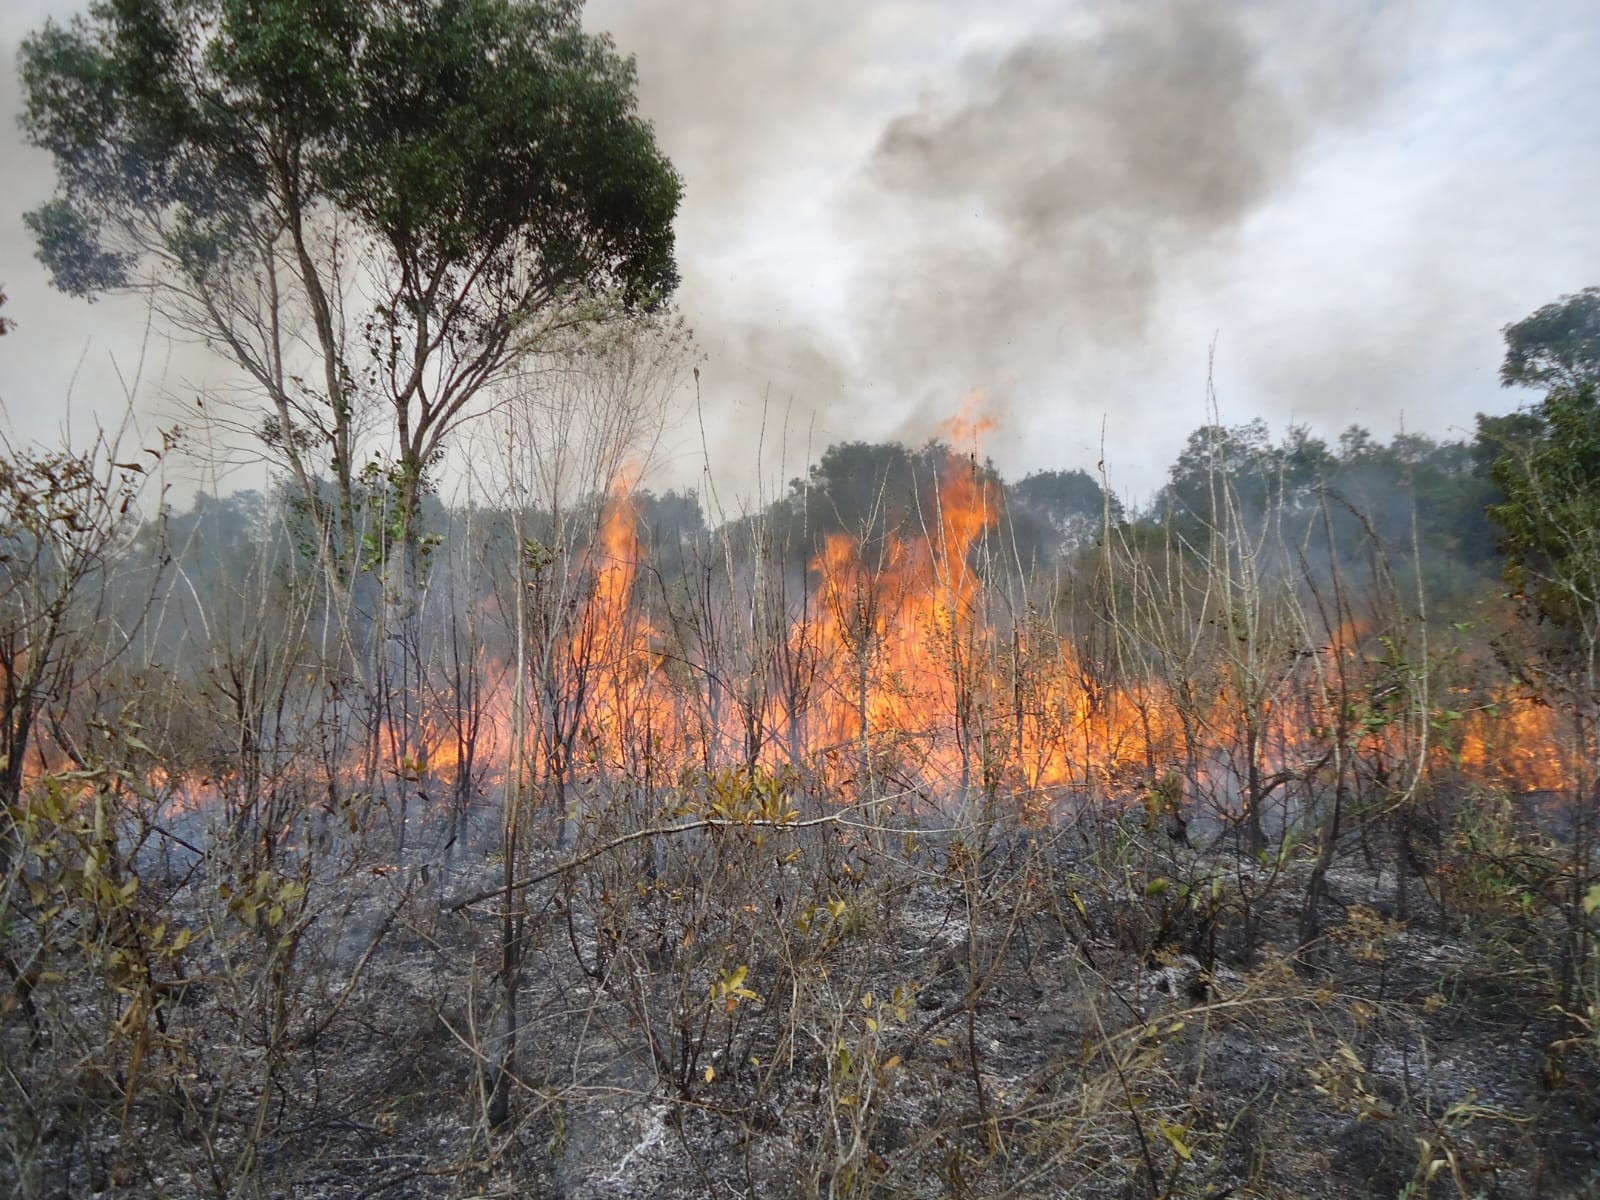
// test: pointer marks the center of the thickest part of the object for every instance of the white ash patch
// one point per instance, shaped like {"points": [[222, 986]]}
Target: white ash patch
{"points": [[648, 1129]]}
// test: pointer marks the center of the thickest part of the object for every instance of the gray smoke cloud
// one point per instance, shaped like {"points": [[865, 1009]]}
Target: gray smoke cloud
{"points": [[750, 99], [1037, 214], [1013, 216], [765, 110], [891, 203]]}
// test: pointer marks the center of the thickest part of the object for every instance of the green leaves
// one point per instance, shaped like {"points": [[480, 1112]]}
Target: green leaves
{"points": [[1558, 346], [1551, 512], [71, 249], [1547, 462], [498, 130], [482, 160]]}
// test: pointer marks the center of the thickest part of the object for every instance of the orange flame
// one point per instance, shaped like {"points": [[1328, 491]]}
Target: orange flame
{"points": [[916, 684]]}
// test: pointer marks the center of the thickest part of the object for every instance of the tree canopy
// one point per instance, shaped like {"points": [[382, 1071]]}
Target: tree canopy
{"points": [[1558, 346], [372, 206], [1547, 464]]}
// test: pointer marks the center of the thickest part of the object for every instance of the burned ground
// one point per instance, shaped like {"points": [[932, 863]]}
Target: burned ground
{"points": [[842, 1008]]}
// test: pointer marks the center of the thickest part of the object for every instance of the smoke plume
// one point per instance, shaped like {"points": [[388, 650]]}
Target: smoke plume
{"points": [[1006, 215], [1040, 209]]}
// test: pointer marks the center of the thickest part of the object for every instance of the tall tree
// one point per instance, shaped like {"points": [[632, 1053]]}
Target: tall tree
{"points": [[1550, 477], [1548, 464], [1057, 512], [1550, 514], [1556, 347], [373, 207], [1242, 465]]}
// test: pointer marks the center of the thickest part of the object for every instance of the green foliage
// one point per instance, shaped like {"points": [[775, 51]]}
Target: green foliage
{"points": [[1499, 869], [1060, 510], [861, 488], [1065, 494], [1547, 463], [1551, 512], [485, 136], [1413, 494], [671, 520], [874, 490], [1558, 346], [1244, 458], [390, 494], [482, 160]]}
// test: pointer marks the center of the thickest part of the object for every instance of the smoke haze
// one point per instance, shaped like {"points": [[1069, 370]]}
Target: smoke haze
{"points": [[889, 205], [1066, 184]]}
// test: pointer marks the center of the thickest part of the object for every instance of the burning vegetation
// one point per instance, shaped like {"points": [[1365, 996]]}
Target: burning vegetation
{"points": [[834, 766], [917, 833]]}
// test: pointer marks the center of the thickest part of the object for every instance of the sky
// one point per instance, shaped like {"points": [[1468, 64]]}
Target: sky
{"points": [[1077, 212]]}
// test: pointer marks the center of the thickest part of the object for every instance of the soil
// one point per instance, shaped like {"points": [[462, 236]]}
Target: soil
{"points": [[1038, 1016]]}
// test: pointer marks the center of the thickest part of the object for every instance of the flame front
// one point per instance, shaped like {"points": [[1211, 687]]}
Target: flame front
{"points": [[910, 687], [897, 674]]}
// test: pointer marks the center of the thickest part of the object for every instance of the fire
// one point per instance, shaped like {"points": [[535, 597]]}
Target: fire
{"points": [[918, 690], [915, 688], [615, 636], [1516, 742], [904, 642], [899, 675]]}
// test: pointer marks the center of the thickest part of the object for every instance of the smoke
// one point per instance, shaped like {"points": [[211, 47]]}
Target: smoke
{"points": [[770, 394], [891, 204], [1041, 210], [755, 104], [1004, 216]]}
